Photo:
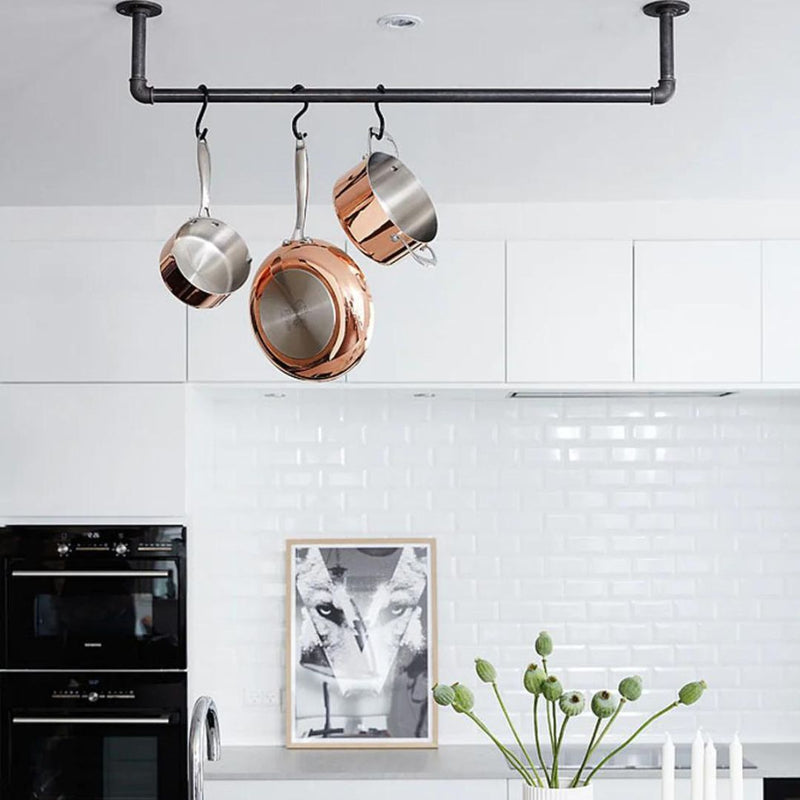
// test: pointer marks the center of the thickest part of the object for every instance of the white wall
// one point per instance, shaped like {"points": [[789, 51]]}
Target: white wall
{"points": [[653, 535]]}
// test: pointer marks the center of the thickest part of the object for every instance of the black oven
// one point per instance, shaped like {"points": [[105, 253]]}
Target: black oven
{"points": [[105, 597], [93, 736]]}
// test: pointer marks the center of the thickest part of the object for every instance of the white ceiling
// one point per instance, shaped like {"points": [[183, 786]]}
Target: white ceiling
{"points": [[71, 134]]}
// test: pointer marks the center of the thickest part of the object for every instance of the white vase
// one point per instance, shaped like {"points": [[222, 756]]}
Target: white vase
{"points": [[578, 793]]}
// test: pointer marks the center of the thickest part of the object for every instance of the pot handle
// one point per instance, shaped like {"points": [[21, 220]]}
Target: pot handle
{"points": [[425, 261], [373, 134], [204, 168], [301, 190]]}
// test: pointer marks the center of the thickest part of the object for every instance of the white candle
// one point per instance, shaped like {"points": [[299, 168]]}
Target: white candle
{"points": [[668, 770], [698, 761], [737, 772], [710, 782]]}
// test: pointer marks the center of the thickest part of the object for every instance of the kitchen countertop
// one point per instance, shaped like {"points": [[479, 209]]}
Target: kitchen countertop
{"points": [[449, 762]]}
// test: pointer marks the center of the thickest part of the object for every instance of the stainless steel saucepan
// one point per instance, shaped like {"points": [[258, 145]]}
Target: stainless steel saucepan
{"points": [[384, 209], [205, 260]]}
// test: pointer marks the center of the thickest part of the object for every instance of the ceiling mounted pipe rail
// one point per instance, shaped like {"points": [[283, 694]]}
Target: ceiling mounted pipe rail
{"points": [[665, 10]]}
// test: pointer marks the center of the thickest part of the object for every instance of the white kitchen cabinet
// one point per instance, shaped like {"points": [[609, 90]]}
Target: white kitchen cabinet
{"points": [[570, 312], [638, 787], [88, 311], [91, 450], [437, 324], [781, 276], [697, 312], [357, 789]]}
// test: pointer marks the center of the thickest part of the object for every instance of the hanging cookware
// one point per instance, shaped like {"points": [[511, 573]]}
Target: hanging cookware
{"points": [[310, 306], [205, 260], [384, 209]]}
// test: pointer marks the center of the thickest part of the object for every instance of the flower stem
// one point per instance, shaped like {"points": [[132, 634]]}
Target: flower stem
{"points": [[558, 748], [616, 750], [536, 737], [514, 731], [589, 750], [510, 757], [622, 702]]}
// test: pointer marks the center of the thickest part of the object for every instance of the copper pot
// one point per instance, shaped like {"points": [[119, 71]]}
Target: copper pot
{"points": [[384, 210], [310, 306]]}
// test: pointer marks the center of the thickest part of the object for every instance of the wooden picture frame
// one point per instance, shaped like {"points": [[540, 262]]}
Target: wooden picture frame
{"points": [[361, 632]]}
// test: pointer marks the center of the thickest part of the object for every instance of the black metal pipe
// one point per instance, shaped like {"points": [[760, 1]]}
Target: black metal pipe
{"points": [[666, 11]]}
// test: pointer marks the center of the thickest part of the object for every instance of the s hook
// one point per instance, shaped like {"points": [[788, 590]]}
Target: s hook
{"points": [[201, 135], [297, 135], [380, 131]]}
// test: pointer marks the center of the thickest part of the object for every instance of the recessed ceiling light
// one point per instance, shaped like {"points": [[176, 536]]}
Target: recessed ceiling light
{"points": [[425, 395], [399, 22]]}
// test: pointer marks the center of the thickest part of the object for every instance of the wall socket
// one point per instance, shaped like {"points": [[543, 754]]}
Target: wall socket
{"points": [[266, 698]]}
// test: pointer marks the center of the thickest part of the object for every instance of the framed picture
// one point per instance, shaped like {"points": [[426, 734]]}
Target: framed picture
{"points": [[361, 651]]}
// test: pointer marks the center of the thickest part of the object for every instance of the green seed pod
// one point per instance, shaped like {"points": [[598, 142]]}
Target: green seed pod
{"points": [[551, 688], [443, 694], [604, 704], [463, 699], [631, 688], [544, 644], [533, 679], [572, 703], [692, 692], [486, 672]]}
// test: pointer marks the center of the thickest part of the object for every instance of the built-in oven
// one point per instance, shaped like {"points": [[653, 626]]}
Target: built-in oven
{"points": [[105, 597], [93, 736]]}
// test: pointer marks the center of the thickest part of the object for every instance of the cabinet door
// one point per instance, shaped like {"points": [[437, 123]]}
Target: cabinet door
{"points": [[88, 311], [437, 324], [570, 312], [781, 318], [698, 312], [92, 450]]}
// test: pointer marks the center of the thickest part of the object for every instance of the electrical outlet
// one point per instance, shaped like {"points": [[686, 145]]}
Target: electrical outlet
{"points": [[266, 698]]}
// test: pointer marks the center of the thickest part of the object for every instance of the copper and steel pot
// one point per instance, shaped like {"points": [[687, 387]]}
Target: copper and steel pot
{"points": [[384, 209], [310, 306], [205, 260]]}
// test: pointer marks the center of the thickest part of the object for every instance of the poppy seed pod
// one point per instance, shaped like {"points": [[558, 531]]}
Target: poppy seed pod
{"points": [[486, 672], [604, 704], [463, 699], [692, 692], [572, 703], [631, 687], [533, 679], [443, 694], [544, 644], [551, 688]]}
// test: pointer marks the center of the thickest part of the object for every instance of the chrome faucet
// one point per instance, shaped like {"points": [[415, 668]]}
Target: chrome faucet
{"points": [[205, 724]]}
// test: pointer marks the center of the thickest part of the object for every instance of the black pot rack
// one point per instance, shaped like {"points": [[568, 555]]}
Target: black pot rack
{"points": [[141, 10]]}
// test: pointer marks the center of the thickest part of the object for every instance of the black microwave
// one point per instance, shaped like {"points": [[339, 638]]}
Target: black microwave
{"points": [[101, 597]]}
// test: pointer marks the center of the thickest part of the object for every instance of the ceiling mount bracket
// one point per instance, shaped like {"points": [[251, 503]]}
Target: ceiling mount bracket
{"points": [[665, 10], [676, 8]]}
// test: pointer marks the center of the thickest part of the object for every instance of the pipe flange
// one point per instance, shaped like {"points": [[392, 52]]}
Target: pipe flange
{"points": [[129, 7], [677, 8]]}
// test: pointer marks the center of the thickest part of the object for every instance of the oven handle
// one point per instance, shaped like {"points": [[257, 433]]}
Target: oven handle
{"points": [[88, 573], [90, 721]]}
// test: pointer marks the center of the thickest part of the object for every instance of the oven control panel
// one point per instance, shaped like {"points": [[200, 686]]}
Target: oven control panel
{"points": [[93, 696]]}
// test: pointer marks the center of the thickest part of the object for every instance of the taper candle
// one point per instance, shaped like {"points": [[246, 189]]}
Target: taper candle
{"points": [[668, 770], [698, 768], [710, 771], [737, 771]]}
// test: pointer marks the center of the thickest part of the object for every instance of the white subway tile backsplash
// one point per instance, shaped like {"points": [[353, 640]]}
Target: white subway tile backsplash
{"points": [[656, 536]]}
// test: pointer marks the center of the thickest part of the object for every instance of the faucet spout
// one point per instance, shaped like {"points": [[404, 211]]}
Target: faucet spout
{"points": [[204, 726]]}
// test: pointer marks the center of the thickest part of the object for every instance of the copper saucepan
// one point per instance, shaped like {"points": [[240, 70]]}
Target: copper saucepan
{"points": [[384, 209], [205, 260], [310, 306]]}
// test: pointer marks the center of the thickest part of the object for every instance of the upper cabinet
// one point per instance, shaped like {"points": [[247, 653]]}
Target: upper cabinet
{"points": [[781, 317], [437, 324], [698, 312], [88, 312], [570, 312]]}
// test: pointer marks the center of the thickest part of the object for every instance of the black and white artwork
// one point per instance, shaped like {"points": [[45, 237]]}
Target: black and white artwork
{"points": [[361, 643]]}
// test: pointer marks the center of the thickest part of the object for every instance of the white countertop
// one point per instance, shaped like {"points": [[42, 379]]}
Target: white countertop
{"points": [[449, 762]]}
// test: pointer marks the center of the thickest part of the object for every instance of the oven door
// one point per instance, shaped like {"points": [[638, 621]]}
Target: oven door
{"points": [[109, 614], [84, 757]]}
